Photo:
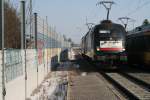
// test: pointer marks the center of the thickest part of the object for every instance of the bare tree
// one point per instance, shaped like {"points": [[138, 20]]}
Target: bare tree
{"points": [[12, 28]]}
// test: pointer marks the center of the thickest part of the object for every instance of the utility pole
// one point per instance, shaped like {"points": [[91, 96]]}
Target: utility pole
{"points": [[124, 21], [36, 48], [2, 47], [23, 41], [107, 5]]}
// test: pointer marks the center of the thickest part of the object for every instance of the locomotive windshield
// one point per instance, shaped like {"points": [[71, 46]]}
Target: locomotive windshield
{"points": [[115, 32]]}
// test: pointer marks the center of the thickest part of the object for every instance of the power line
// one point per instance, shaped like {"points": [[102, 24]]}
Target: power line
{"points": [[138, 8]]}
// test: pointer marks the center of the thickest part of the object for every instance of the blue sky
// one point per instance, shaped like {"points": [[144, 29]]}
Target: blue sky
{"points": [[69, 16]]}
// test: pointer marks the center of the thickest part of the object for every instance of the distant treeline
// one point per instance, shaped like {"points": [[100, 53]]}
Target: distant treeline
{"points": [[146, 22], [12, 27]]}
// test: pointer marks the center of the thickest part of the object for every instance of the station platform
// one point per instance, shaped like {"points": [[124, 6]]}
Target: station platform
{"points": [[89, 87]]}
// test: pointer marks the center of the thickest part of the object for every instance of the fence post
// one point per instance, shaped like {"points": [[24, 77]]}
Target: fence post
{"points": [[2, 47], [23, 42], [36, 48], [47, 42]]}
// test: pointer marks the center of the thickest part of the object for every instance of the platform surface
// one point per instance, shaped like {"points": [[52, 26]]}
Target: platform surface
{"points": [[89, 87]]}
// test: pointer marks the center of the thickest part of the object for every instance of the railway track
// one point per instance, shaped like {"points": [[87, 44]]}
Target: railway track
{"points": [[133, 84], [142, 79], [142, 76], [129, 88]]}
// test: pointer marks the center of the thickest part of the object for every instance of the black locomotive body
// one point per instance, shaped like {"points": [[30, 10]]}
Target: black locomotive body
{"points": [[138, 45], [105, 43]]}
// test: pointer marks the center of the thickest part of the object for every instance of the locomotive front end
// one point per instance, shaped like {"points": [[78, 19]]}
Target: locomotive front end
{"points": [[110, 44]]}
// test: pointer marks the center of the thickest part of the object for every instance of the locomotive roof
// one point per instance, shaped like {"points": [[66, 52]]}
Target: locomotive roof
{"points": [[109, 24], [105, 24]]}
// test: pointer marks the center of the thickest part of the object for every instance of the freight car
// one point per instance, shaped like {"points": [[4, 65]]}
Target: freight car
{"points": [[105, 43], [138, 45]]}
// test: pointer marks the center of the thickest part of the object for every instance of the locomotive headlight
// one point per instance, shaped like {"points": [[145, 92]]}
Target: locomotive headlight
{"points": [[98, 49]]}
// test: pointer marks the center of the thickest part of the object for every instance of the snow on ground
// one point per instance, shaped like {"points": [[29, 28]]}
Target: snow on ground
{"points": [[54, 87]]}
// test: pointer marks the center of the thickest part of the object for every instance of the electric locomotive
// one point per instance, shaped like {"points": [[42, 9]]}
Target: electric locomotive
{"points": [[138, 46], [105, 43]]}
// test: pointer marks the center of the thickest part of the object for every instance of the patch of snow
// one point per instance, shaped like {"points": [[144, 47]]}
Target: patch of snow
{"points": [[53, 88], [83, 73]]}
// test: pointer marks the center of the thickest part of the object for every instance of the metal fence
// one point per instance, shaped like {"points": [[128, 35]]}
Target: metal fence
{"points": [[13, 64], [25, 62], [47, 38]]}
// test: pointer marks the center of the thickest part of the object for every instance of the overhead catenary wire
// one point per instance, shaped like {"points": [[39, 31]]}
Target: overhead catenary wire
{"points": [[138, 8]]}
